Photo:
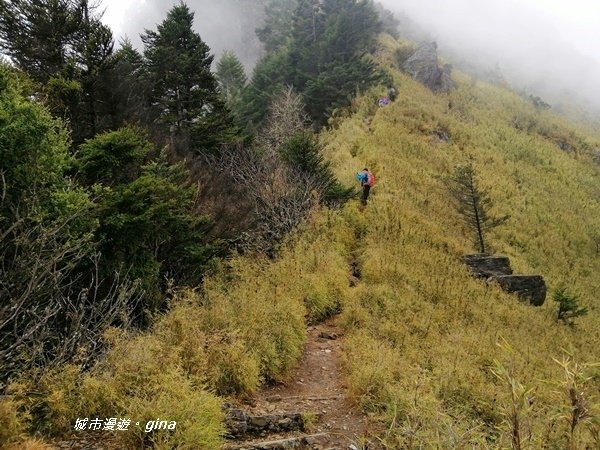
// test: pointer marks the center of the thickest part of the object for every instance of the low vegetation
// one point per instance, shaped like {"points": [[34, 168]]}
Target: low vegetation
{"points": [[443, 360], [440, 359]]}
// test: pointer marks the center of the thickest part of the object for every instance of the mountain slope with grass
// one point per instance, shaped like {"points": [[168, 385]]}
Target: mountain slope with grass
{"points": [[434, 357], [444, 360]]}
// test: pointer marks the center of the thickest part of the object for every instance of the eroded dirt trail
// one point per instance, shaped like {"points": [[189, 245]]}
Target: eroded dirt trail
{"points": [[316, 391]]}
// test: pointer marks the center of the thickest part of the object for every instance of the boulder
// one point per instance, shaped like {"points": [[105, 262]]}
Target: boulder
{"points": [[482, 265], [497, 269], [423, 67], [527, 287]]}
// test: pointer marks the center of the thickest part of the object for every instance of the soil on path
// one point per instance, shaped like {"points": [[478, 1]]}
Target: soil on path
{"points": [[317, 387]]}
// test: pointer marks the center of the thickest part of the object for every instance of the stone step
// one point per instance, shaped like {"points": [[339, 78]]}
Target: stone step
{"points": [[305, 442], [240, 424]]}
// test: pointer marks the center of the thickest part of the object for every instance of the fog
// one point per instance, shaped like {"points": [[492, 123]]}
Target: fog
{"points": [[549, 48], [222, 24], [545, 47]]}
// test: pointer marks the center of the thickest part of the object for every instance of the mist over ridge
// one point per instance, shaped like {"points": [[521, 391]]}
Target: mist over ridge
{"points": [[533, 50], [523, 42], [222, 24]]}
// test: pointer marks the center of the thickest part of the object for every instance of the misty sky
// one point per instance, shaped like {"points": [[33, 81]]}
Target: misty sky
{"points": [[553, 45]]}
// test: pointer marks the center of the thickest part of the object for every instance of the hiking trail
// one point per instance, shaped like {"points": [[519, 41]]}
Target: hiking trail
{"points": [[312, 406]]}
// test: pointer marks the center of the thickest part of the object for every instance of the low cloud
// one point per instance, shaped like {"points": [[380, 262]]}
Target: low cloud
{"points": [[534, 49]]}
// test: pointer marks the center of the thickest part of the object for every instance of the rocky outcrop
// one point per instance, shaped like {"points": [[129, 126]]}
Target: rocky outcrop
{"points": [[527, 287], [496, 269], [423, 66], [482, 265]]}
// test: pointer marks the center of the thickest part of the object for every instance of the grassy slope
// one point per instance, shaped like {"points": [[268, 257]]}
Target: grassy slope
{"points": [[424, 337]]}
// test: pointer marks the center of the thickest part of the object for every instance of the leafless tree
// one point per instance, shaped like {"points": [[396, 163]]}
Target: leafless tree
{"points": [[281, 197], [286, 117], [54, 304], [261, 197]]}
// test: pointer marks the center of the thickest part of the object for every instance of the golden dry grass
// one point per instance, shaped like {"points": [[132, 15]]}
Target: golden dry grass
{"points": [[443, 360], [424, 338]]}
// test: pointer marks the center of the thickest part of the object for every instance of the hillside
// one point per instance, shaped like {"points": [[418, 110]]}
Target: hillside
{"points": [[424, 339], [436, 358]]}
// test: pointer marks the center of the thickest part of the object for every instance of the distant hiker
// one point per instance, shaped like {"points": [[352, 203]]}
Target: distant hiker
{"points": [[392, 93], [367, 181], [383, 101]]}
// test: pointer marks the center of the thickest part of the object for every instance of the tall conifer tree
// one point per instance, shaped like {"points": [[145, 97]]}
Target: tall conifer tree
{"points": [[232, 80], [184, 90]]}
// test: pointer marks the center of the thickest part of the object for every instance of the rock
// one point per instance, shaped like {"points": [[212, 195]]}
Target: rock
{"points": [[527, 287], [497, 269], [327, 335], [240, 424], [236, 421], [596, 156], [423, 67], [442, 134], [259, 421], [284, 422], [482, 265]]}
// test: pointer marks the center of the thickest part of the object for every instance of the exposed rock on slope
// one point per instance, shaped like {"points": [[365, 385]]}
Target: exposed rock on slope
{"points": [[423, 67], [497, 269]]}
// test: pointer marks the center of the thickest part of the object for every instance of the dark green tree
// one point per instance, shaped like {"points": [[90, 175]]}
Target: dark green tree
{"points": [[38, 36], [63, 45], [568, 305], [232, 80], [149, 228], [92, 60], [349, 31], [114, 157], [126, 88], [184, 91], [277, 28], [33, 151], [303, 154], [325, 60], [52, 305], [308, 26], [473, 203], [146, 212], [268, 78]]}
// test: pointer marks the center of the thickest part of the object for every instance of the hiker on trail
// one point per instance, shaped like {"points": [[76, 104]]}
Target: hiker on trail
{"points": [[383, 101], [367, 180], [392, 93]]}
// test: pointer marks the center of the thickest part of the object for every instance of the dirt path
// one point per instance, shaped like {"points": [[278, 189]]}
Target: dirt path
{"points": [[317, 388]]}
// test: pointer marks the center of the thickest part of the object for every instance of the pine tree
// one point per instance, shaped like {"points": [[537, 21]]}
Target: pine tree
{"points": [[126, 89], [63, 45], [277, 28], [184, 91], [269, 77], [38, 36], [350, 30], [308, 25], [473, 203], [304, 155], [232, 80]]}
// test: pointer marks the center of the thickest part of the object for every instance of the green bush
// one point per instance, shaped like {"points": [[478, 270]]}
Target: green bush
{"points": [[568, 305], [304, 154]]}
